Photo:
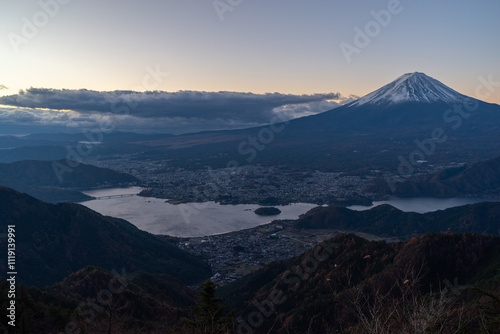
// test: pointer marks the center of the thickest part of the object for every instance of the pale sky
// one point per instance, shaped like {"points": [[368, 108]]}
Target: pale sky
{"points": [[258, 46]]}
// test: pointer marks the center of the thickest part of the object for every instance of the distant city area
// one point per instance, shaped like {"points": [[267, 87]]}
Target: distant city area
{"points": [[250, 184], [244, 184], [232, 255]]}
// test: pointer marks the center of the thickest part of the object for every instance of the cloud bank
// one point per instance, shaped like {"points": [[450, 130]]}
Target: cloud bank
{"points": [[179, 112]]}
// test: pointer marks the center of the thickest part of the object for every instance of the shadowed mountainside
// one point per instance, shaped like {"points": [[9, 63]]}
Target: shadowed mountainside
{"points": [[480, 179], [351, 285], [53, 241], [385, 220]]}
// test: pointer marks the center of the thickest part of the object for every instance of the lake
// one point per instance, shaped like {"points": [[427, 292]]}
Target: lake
{"points": [[184, 220], [156, 216], [424, 204]]}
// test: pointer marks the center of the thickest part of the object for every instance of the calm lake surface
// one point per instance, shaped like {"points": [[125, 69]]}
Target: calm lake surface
{"points": [[201, 219], [424, 204], [184, 220]]}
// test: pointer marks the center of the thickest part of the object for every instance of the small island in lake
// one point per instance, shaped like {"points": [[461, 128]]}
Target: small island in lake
{"points": [[267, 211]]}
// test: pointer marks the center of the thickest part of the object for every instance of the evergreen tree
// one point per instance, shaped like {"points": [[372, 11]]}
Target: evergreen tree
{"points": [[208, 314]]}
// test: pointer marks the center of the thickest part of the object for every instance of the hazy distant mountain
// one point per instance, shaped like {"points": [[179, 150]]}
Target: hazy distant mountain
{"points": [[479, 179], [40, 179], [54, 146], [36, 152], [39, 139], [107, 138], [42, 174], [53, 241]]}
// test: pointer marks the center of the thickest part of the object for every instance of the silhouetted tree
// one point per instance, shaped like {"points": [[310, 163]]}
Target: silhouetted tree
{"points": [[208, 314]]}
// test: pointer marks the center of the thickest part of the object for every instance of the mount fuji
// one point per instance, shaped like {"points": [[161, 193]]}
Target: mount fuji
{"points": [[369, 133], [412, 104], [412, 87]]}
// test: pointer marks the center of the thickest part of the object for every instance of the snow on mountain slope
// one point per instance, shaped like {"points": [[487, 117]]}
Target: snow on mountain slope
{"points": [[412, 87]]}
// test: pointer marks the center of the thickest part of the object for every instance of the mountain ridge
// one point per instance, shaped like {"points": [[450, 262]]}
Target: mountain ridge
{"points": [[478, 179], [386, 220], [39, 179]]}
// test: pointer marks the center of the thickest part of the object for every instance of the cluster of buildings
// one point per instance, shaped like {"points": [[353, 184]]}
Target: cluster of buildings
{"points": [[249, 184], [244, 184], [235, 254]]}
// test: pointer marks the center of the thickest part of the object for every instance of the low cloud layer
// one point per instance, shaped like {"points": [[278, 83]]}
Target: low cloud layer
{"points": [[180, 112]]}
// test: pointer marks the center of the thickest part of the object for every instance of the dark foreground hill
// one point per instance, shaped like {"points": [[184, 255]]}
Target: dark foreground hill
{"points": [[436, 283], [94, 300], [53, 241], [55, 181], [385, 220], [350, 285]]}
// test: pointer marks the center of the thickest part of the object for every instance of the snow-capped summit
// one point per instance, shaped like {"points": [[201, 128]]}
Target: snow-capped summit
{"points": [[411, 87]]}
